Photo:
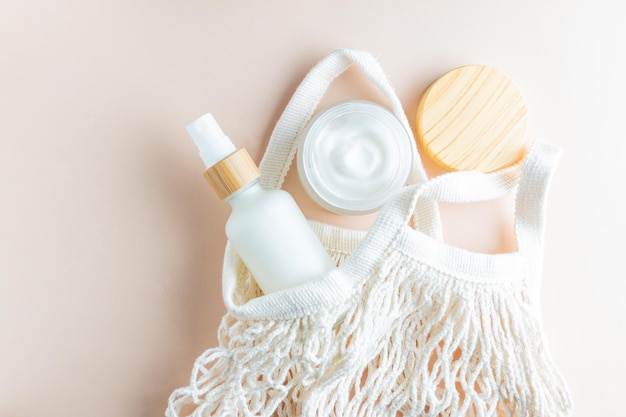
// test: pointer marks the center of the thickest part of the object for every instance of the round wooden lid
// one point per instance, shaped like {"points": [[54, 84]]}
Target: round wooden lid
{"points": [[472, 118]]}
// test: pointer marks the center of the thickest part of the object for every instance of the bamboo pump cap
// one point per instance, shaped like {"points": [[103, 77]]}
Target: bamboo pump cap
{"points": [[472, 118], [228, 169], [232, 173]]}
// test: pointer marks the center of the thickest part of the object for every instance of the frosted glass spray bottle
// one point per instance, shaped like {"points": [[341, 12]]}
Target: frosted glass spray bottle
{"points": [[266, 227]]}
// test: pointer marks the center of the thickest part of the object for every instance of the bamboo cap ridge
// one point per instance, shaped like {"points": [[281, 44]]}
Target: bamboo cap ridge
{"points": [[232, 173]]}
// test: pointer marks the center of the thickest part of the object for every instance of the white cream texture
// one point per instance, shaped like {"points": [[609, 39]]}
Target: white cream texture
{"points": [[354, 157]]}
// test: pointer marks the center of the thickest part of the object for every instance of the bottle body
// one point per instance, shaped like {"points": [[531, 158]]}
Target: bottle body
{"points": [[274, 239], [266, 227]]}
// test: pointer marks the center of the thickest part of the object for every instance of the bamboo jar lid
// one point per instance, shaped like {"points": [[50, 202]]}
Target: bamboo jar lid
{"points": [[472, 118]]}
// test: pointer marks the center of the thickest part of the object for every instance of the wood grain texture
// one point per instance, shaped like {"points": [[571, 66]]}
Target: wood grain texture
{"points": [[472, 118], [232, 173]]}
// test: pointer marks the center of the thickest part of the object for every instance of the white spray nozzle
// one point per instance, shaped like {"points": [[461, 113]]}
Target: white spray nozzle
{"points": [[213, 145]]}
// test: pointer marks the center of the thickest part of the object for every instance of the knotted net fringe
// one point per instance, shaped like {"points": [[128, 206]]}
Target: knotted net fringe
{"points": [[426, 345], [261, 366], [445, 348]]}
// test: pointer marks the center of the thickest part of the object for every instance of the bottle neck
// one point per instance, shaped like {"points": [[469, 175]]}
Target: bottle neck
{"points": [[246, 193]]}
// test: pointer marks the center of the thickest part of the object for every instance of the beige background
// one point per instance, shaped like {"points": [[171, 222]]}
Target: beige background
{"points": [[111, 242]]}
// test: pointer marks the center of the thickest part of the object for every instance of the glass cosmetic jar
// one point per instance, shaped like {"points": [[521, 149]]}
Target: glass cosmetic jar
{"points": [[354, 156]]}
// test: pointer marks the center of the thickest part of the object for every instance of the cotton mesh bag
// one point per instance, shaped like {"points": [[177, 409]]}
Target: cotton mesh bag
{"points": [[406, 325]]}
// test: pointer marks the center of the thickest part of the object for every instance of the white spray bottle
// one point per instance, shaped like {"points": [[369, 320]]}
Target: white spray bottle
{"points": [[266, 227]]}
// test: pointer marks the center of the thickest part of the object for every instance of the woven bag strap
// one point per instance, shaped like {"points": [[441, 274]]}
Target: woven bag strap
{"points": [[459, 187], [284, 140], [530, 212], [531, 178]]}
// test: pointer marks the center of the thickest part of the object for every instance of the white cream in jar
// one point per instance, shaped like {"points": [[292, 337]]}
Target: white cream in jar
{"points": [[353, 156]]}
